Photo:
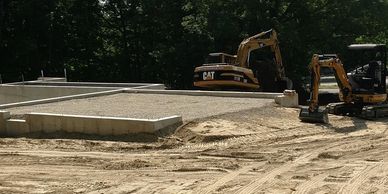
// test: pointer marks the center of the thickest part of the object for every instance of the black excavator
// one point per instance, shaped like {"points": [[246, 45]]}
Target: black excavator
{"points": [[362, 92]]}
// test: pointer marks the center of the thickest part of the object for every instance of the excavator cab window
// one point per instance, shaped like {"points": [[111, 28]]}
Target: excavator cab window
{"points": [[368, 62], [213, 59], [361, 54], [221, 58]]}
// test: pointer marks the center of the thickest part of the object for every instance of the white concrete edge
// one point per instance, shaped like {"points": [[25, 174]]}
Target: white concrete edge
{"points": [[21, 83], [17, 120], [64, 86], [206, 93], [35, 81], [105, 117], [166, 122], [120, 85], [63, 98], [109, 83], [166, 118], [147, 86]]}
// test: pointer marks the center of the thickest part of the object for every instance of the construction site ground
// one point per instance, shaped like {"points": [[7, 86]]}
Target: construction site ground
{"points": [[253, 149]]}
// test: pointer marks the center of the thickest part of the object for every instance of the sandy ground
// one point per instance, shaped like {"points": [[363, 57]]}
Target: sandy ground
{"points": [[262, 150], [146, 106]]}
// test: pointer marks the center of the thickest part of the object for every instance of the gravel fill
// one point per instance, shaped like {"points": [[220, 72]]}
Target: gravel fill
{"points": [[147, 106]]}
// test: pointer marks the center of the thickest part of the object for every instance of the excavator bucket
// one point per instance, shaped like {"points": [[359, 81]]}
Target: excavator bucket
{"points": [[318, 116]]}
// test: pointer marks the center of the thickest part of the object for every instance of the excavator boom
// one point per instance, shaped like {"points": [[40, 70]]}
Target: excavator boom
{"points": [[259, 41]]}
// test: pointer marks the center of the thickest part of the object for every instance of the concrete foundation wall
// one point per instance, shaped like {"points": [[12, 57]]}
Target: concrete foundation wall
{"points": [[62, 98], [52, 79], [19, 93], [4, 116], [16, 127], [90, 125]]}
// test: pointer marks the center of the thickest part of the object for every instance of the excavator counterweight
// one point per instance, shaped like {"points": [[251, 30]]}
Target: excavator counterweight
{"points": [[224, 71]]}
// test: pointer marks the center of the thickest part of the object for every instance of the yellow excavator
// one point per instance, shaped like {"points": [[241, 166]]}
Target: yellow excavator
{"points": [[224, 71], [362, 91]]}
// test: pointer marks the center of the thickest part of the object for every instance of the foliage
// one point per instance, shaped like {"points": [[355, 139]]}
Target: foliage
{"points": [[162, 41]]}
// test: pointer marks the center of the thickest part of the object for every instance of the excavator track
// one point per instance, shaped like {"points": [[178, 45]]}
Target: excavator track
{"points": [[362, 111], [374, 111], [345, 109]]}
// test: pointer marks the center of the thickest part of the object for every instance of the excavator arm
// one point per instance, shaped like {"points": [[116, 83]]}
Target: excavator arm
{"points": [[332, 62], [256, 42], [312, 113]]}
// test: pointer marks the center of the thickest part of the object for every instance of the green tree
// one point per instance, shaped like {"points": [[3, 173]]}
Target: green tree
{"points": [[162, 41]]}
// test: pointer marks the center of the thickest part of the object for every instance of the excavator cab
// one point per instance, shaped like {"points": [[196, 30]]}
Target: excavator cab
{"points": [[220, 58], [370, 71]]}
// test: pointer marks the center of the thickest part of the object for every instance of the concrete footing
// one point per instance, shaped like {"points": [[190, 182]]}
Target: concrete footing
{"points": [[288, 99], [90, 125]]}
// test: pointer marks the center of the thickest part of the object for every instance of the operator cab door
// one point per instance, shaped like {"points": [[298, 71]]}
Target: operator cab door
{"points": [[369, 64]]}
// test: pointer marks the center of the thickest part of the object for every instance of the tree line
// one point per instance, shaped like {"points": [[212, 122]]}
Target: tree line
{"points": [[162, 41]]}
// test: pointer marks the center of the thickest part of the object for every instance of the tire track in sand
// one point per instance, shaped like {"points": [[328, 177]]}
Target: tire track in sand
{"points": [[354, 184], [310, 184], [269, 177], [256, 184], [229, 177], [253, 186]]}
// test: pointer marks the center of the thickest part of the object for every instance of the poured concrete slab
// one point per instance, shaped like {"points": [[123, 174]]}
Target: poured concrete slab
{"points": [[147, 106]]}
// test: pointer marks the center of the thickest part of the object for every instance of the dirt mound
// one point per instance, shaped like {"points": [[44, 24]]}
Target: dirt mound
{"points": [[237, 124]]}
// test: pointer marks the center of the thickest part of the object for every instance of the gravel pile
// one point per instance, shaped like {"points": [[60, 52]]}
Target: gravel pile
{"points": [[148, 106]]}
